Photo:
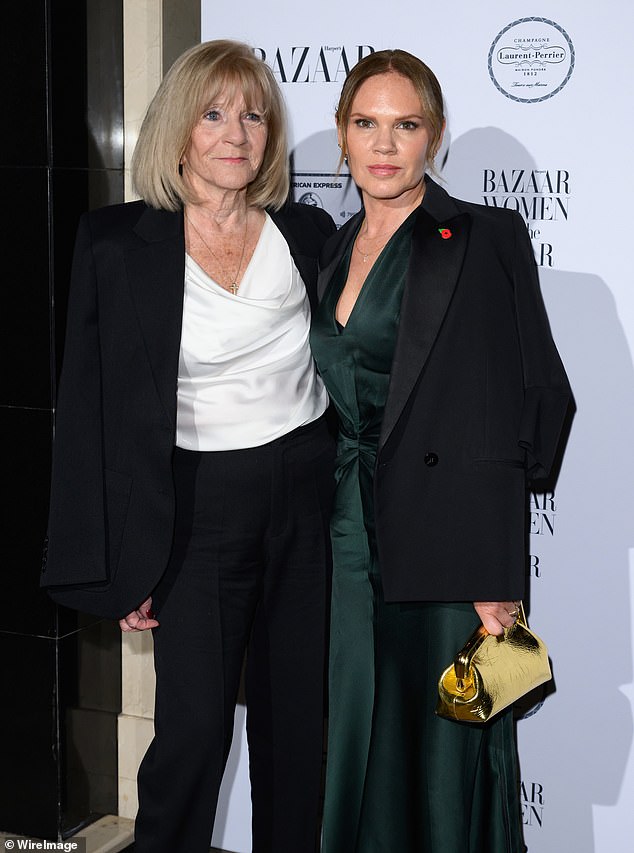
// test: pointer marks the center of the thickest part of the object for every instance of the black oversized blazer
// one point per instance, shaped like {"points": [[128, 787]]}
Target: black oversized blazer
{"points": [[476, 403], [112, 497]]}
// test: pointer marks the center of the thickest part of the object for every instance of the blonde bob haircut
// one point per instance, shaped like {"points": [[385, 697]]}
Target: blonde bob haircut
{"points": [[192, 84], [407, 65]]}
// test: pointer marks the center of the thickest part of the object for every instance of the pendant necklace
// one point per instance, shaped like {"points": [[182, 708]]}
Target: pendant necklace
{"points": [[233, 283], [366, 255]]}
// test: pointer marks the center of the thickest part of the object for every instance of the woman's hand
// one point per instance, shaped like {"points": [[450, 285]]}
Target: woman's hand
{"points": [[140, 619], [497, 615]]}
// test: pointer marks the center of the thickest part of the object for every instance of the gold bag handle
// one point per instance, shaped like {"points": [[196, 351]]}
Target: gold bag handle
{"points": [[464, 659]]}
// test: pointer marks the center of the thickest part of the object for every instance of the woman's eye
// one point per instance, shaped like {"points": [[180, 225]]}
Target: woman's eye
{"points": [[363, 122], [212, 115], [253, 118], [408, 125]]}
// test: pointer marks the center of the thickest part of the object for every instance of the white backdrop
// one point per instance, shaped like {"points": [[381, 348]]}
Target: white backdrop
{"points": [[540, 119]]}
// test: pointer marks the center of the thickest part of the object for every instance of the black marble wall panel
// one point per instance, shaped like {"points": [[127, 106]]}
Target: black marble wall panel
{"points": [[24, 490], [61, 153], [60, 707], [25, 297], [104, 85], [23, 58], [29, 744], [68, 55]]}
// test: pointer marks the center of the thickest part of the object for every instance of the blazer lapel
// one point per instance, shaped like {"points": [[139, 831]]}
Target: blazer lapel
{"points": [[304, 264], [156, 272], [334, 250], [434, 268]]}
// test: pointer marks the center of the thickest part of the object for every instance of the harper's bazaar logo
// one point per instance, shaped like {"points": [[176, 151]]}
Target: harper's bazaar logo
{"points": [[312, 64], [531, 60], [542, 513], [539, 195], [532, 803], [534, 568]]}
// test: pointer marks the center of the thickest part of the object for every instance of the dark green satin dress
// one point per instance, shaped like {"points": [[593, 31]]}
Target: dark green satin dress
{"points": [[399, 779]]}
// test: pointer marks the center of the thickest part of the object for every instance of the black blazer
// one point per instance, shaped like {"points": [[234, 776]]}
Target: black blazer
{"points": [[477, 399], [112, 498]]}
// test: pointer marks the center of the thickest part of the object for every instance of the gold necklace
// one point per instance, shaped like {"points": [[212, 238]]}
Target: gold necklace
{"points": [[232, 281], [366, 255]]}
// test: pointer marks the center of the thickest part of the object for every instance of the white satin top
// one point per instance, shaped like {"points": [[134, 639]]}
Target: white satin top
{"points": [[246, 375]]}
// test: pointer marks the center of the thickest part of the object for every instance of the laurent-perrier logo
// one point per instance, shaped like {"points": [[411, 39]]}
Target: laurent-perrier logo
{"points": [[531, 60]]}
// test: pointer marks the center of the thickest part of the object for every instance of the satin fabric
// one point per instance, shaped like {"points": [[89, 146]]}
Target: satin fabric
{"points": [[398, 778], [249, 346]]}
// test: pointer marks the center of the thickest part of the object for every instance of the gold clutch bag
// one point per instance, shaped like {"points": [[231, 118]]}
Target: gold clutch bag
{"points": [[489, 673]]}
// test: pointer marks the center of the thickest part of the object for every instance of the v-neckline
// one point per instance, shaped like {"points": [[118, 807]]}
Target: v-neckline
{"points": [[341, 327]]}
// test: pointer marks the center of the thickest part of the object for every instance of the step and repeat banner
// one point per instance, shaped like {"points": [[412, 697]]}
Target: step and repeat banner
{"points": [[540, 120]]}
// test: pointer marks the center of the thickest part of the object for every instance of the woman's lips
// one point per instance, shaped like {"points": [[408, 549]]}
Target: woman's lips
{"points": [[383, 169]]}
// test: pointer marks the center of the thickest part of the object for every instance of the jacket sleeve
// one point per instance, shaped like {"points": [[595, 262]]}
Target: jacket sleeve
{"points": [[547, 394], [76, 531]]}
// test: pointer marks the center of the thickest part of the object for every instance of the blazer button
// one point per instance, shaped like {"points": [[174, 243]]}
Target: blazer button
{"points": [[431, 459]]}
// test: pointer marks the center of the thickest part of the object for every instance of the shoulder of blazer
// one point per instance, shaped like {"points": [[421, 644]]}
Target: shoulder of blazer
{"points": [[133, 220], [439, 204], [304, 227], [496, 228], [337, 241]]}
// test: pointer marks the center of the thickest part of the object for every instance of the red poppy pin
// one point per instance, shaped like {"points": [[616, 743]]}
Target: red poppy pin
{"points": [[445, 233]]}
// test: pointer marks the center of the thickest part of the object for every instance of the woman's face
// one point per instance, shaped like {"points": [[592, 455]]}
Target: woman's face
{"points": [[388, 138], [226, 148]]}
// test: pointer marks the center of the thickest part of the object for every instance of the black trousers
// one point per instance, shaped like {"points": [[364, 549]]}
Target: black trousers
{"points": [[249, 570]]}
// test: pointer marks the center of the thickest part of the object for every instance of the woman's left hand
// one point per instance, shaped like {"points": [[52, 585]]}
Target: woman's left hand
{"points": [[497, 615], [141, 619]]}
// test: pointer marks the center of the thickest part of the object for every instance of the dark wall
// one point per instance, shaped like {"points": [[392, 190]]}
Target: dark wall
{"points": [[61, 152]]}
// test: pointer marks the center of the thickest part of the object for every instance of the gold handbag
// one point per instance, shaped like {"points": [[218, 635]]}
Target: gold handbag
{"points": [[489, 673]]}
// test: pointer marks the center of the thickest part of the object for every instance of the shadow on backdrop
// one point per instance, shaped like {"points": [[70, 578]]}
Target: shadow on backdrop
{"points": [[584, 734]]}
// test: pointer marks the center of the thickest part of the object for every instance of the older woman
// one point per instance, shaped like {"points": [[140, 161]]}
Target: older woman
{"points": [[192, 471], [433, 342]]}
